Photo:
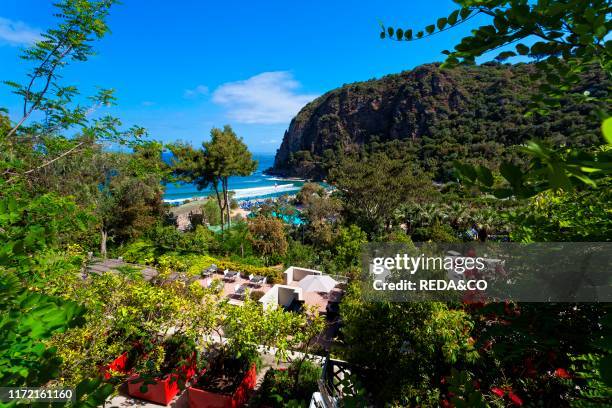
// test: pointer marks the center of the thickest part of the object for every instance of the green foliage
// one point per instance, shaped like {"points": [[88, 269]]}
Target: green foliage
{"points": [[300, 254], [322, 213], [128, 193], [27, 320], [211, 211], [123, 311], [436, 233], [531, 346], [143, 252], [548, 169], [267, 236], [564, 216], [572, 39], [277, 386], [30, 225], [225, 155], [464, 393], [80, 23], [348, 246], [167, 238], [576, 31], [372, 187], [422, 341]]}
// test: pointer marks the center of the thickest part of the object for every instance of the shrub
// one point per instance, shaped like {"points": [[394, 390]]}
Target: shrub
{"points": [[140, 252], [256, 295], [277, 389]]}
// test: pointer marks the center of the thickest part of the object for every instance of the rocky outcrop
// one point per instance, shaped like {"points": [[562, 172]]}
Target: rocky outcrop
{"points": [[444, 113]]}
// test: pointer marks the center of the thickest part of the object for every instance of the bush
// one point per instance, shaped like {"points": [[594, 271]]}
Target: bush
{"points": [[256, 295], [273, 275], [139, 252], [277, 389], [436, 233]]}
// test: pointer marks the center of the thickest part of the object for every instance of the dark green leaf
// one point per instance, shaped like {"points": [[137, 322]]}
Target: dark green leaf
{"points": [[606, 129], [522, 49], [512, 173], [465, 13], [484, 176], [441, 23], [605, 369]]}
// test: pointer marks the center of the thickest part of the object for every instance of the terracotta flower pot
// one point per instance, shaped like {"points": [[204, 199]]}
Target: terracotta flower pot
{"points": [[199, 398], [120, 365], [163, 389]]}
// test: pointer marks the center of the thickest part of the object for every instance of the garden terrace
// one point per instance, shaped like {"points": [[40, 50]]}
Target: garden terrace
{"points": [[291, 292], [229, 286]]}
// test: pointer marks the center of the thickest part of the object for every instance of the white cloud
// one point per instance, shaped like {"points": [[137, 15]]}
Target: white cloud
{"points": [[266, 98], [17, 33], [195, 92]]}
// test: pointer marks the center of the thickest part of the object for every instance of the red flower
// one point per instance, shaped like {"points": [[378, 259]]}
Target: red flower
{"points": [[498, 391], [562, 373], [515, 399], [446, 404]]}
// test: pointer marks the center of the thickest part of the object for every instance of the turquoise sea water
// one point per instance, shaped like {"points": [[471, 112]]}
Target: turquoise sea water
{"points": [[257, 185]]}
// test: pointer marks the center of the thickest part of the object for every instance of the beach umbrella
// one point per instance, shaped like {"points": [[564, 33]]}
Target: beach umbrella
{"points": [[317, 283]]}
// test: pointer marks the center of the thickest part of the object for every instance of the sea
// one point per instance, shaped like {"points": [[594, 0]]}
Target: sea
{"points": [[256, 186]]}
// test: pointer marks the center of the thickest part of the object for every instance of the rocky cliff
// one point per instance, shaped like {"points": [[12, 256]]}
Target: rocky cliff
{"points": [[443, 114]]}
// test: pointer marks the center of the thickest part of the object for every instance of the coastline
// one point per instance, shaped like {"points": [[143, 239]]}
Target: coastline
{"points": [[246, 194], [261, 184]]}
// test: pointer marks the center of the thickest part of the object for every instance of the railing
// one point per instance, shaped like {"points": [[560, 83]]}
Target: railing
{"points": [[334, 379]]}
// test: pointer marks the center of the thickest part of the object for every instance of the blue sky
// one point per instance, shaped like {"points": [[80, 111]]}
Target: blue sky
{"points": [[181, 67]]}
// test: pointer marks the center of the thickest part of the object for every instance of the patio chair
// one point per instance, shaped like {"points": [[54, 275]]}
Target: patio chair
{"points": [[239, 290], [229, 275], [257, 280]]}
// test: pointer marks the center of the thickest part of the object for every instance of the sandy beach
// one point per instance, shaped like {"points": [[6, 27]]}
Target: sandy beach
{"points": [[181, 212]]}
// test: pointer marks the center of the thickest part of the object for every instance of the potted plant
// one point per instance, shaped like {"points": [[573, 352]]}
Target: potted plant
{"points": [[227, 383], [124, 363], [164, 369], [231, 373], [278, 388]]}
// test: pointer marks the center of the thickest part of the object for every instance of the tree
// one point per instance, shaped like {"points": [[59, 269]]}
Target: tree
{"points": [[129, 193], [308, 191], [227, 156], [322, 212], [81, 22], [348, 246], [211, 211], [422, 341], [267, 235], [373, 187]]}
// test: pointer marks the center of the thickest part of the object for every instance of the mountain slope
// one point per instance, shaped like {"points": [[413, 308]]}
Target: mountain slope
{"points": [[469, 113]]}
